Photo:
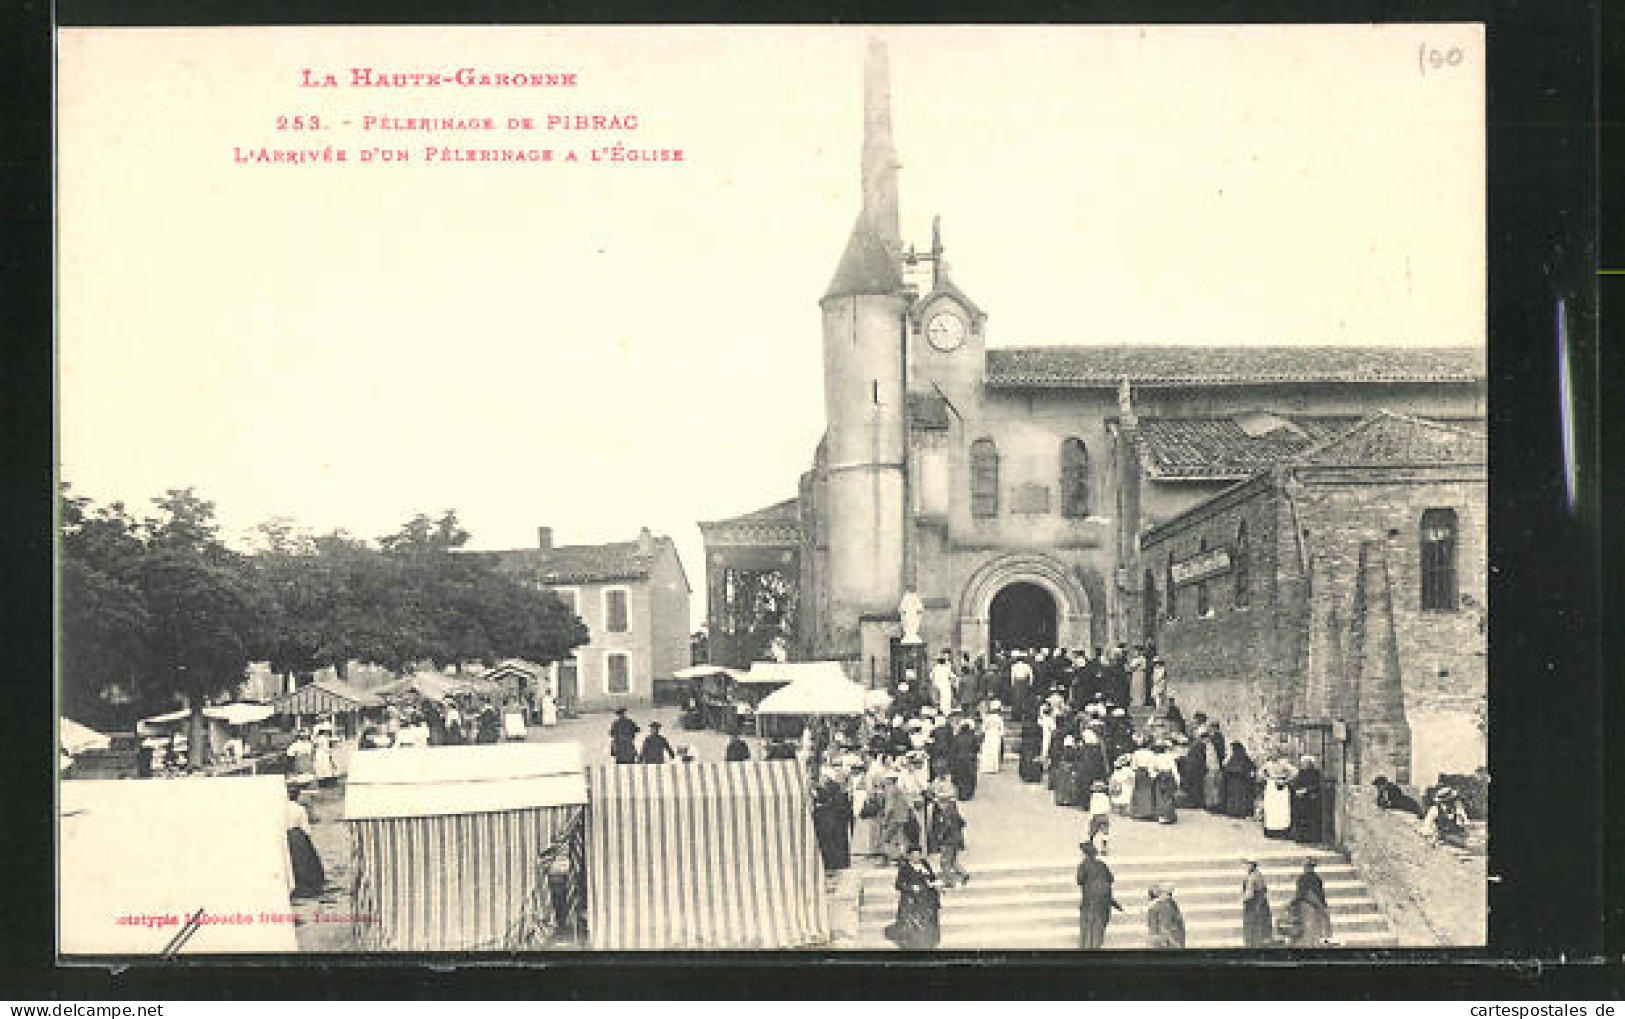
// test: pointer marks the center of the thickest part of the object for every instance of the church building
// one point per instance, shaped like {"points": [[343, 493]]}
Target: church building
{"points": [[1011, 489]]}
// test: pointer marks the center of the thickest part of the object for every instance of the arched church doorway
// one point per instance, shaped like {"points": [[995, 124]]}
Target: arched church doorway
{"points": [[1022, 615]]}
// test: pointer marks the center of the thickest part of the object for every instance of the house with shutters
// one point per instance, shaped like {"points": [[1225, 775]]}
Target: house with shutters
{"points": [[633, 598]]}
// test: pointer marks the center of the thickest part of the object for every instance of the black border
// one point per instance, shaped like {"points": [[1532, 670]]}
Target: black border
{"points": [[1549, 904]]}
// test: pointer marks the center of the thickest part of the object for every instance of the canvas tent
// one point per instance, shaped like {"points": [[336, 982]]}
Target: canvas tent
{"points": [[703, 856], [453, 845], [323, 697], [138, 858], [435, 686], [228, 715], [76, 738], [818, 688]]}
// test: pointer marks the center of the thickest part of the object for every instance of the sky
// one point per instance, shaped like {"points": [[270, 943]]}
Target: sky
{"points": [[603, 346]]}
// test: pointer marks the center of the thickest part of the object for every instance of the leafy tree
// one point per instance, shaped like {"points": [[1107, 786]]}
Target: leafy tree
{"points": [[102, 615], [208, 616]]}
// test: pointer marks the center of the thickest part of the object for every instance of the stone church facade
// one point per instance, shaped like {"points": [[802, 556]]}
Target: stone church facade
{"points": [[1013, 488]]}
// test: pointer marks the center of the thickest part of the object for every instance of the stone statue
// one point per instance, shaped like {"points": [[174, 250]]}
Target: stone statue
{"points": [[912, 612]]}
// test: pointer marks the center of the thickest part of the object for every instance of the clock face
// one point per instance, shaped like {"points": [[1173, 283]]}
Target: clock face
{"points": [[946, 331]]}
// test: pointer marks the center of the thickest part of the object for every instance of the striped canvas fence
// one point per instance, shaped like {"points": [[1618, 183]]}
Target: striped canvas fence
{"points": [[456, 882], [703, 855]]}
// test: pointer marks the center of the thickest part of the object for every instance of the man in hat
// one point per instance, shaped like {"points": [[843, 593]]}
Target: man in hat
{"points": [[623, 734], [737, 750], [655, 748], [1164, 924], [1095, 908]]}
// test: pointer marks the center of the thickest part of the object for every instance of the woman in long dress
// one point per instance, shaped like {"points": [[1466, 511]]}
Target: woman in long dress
{"points": [[1307, 826], [992, 753], [1278, 775], [1068, 790], [896, 816], [1143, 804], [1307, 916], [918, 924], [1165, 786], [309, 877], [832, 821], [1255, 909], [1240, 782], [1121, 786], [1212, 750]]}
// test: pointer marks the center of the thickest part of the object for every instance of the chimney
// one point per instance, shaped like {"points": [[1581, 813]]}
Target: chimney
{"points": [[544, 538], [646, 542]]}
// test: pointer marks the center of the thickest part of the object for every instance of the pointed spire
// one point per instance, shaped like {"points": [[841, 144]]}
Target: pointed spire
{"points": [[872, 261], [879, 150]]}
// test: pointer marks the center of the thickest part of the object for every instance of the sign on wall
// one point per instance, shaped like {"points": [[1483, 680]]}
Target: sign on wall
{"points": [[1201, 566]]}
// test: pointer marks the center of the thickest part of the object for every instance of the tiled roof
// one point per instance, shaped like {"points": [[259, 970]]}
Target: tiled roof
{"points": [[780, 521], [1153, 366], [1220, 449], [580, 564], [788, 511]]}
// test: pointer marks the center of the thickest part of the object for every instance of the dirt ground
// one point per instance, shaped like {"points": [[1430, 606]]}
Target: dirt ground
{"points": [[1434, 895], [332, 842]]}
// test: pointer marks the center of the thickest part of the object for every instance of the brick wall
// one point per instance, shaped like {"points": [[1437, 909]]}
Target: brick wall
{"points": [[1238, 663], [1319, 644], [1441, 655]]}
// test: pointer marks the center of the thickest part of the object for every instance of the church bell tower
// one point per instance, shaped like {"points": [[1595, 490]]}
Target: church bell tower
{"points": [[864, 314]]}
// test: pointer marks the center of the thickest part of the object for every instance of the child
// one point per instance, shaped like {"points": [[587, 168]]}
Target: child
{"points": [[1100, 817], [1122, 785]]}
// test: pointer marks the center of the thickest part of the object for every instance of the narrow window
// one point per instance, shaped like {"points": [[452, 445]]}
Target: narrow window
{"points": [[984, 478], [1243, 592], [1074, 479], [615, 611], [1439, 592], [1173, 592], [1202, 606], [1148, 610], [617, 673]]}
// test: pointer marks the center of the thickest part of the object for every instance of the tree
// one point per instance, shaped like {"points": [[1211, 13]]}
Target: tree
{"points": [[208, 617], [102, 615]]}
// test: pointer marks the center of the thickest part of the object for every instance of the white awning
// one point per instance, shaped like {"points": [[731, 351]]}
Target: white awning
{"points": [[431, 781]]}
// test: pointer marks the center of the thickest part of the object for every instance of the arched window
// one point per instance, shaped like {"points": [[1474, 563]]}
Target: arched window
{"points": [[1074, 478], [984, 478], [1173, 592], [1439, 593], [1202, 605], [1239, 567]]}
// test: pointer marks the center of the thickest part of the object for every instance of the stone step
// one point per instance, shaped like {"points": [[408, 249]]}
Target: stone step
{"points": [[1119, 937], [1348, 916], [970, 898], [1034, 904], [1274, 867]]}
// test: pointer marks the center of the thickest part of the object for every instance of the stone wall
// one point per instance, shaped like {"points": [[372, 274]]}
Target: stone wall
{"points": [[1441, 655]]}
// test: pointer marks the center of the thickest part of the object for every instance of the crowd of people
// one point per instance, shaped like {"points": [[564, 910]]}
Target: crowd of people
{"points": [[887, 785]]}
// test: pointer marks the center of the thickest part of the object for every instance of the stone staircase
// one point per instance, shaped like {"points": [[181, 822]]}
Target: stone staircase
{"points": [[1035, 906]]}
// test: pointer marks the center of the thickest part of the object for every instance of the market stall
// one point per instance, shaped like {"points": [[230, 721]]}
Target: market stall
{"points": [[816, 690], [327, 697], [703, 856], [138, 860], [232, 725], [455, 847]]}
